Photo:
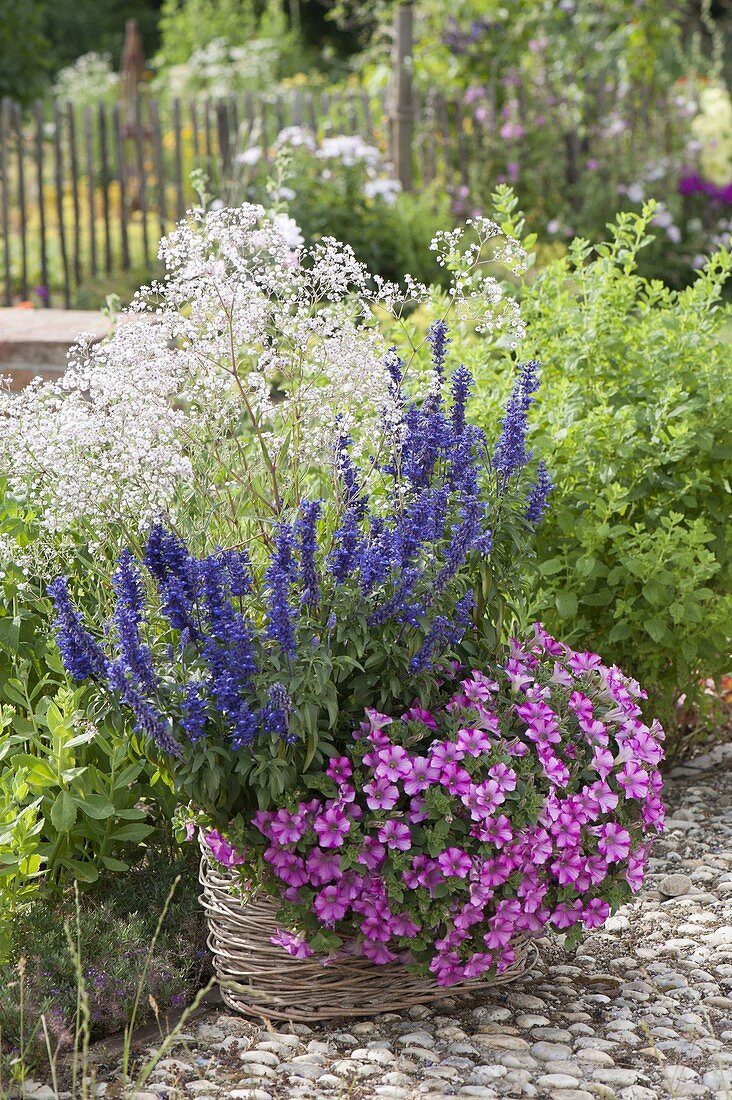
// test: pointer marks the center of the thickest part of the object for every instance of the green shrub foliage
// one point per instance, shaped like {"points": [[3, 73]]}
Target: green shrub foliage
{"points": [[635, 409]]}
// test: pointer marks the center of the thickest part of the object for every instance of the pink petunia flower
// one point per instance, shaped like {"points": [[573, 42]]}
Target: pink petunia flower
{"points": [[634, 780], [395, 834], [222, 851], [419, 714], [417, 810], [472, 742], [584, 662], [595, 913], [455, 779], [517, 675], [378, 953], [423, 774], [381, 794], [613, 842], [444, 752], [323, 866], [340, 769], [401, 924], [392, 763], [454, 862], [566, 914], [504, 776], [332, 826], [293, 944], [373, 853], [329, 905], [287, 828], [603, 762], [497, 831]]}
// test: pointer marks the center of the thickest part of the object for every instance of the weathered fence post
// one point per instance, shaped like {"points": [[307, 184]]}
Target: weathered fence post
{"points": [[401, 98]]}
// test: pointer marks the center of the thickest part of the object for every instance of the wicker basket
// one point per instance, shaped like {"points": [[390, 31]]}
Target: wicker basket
{"points": [[257, 978]]}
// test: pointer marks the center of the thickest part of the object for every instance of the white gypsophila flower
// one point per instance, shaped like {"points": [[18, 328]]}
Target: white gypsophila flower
{"points": [[297, 137], [249, 156], [349, 150], [382, 188], [289, 229], [245, 361]]}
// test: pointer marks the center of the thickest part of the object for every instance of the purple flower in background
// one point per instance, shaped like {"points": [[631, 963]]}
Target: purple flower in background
{"points": [[279, 577], [82, 655], [127, 617], [306, 531], [510, 452], [538, 495], [694, 184]]}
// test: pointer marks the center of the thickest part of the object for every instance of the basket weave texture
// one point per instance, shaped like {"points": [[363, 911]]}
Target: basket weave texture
{"points": [[258, 978]]}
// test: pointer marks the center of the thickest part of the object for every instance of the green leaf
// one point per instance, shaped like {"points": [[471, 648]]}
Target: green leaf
{"points": [[63, 812], [96, 806], [113, 864], [84, 872], [81, 739], [133, 832], [10, 634], [655, 592], [566, 602], [656, 629]]}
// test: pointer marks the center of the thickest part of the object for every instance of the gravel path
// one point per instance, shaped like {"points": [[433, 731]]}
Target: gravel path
{"points": [[642, 1011]]}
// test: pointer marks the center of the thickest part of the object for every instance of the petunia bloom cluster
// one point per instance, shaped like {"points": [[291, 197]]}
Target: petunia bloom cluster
{"points": [[528, 799]]}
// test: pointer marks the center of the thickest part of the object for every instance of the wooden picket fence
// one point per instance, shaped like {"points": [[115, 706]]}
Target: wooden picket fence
{"points": [[88, 192]]}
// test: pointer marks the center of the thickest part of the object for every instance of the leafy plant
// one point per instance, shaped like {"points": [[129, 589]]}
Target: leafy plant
{"points": [[636, 406], [123, 969], [76, 799], [245, 668], [340, 186]]}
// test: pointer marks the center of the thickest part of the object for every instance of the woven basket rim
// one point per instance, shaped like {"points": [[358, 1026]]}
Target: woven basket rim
{"points": [[257, 978]]}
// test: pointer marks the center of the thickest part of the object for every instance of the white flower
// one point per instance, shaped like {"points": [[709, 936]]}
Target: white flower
{"points": [[242, 331], [289, 229], [349, 150], [249, 156], [382, 188], [296, 136]]}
